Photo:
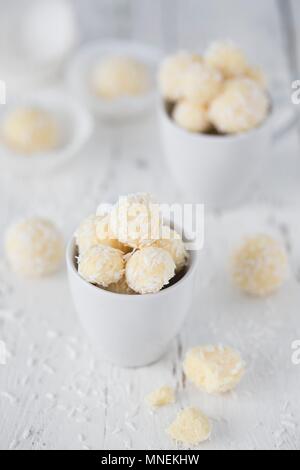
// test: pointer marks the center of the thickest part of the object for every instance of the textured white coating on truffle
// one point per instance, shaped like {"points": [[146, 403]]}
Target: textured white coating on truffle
{"points": [[201, 83], [105, 235], [227, 58], [149, 270], [242, 106], [30, 131], [101, 265], [163, 396], [259, 266], [135, 220], [191, 427], [172, 72], [172, 242], [191, 116], [34, 247], [214, 369], [117, 77]]}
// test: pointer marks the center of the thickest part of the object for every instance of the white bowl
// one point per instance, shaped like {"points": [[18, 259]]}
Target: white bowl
{"points": [[131, 330], [80, 72], [210, 169], [75, 123]]}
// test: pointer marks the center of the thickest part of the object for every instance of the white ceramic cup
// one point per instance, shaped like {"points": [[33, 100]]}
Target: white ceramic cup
{"points": [[131, 330], [210, 169]]}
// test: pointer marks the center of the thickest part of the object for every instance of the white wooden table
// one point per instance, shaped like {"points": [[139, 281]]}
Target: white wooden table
{"points": [[54, 393]]}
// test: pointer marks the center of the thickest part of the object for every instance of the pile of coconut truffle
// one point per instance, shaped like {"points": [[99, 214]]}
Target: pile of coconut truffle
{"points": [[217, 93], [129, 250]]}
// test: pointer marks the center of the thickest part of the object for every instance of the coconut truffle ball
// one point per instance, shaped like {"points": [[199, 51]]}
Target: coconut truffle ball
{"points": [[95, 231], [201, 83], [121, 287], [30, 131], [172, 73], [241, 107], [149, 270], [135, 220], [86, 235], [172, 242], [259, 266], [101, 265], [227, 58], [34, 247], [191, 427], [191, 116], [117, 77], [105, 235], [214, 369]]}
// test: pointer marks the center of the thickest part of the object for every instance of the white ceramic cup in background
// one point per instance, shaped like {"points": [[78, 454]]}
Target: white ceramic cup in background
{"points": [[131, 330], [211, 169], [80, 70]]}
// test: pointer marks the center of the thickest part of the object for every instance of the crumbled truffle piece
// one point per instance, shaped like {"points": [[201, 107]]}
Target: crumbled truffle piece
{"points": [[242, 106], [34, 247]]}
